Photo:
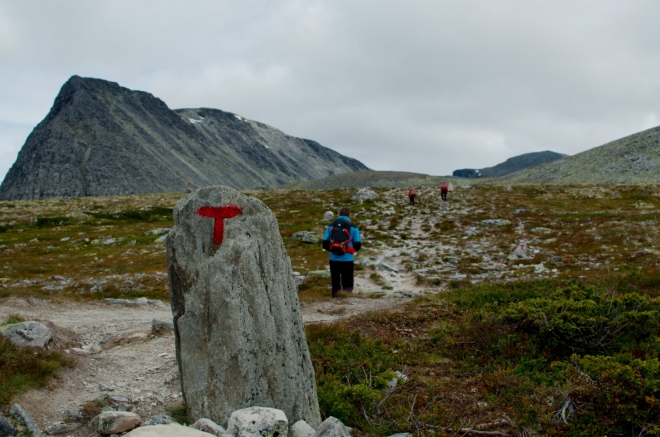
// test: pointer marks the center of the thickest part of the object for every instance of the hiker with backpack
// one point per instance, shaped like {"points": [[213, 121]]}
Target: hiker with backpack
{"points": [[412, 194], [342, 240], [444, 189]]}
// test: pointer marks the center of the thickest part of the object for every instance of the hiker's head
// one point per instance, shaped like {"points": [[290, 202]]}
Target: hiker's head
{"points": [[345, 212]]}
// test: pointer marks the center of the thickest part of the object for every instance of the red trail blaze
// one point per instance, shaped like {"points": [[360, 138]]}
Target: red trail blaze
{"points": [[219, 214]]}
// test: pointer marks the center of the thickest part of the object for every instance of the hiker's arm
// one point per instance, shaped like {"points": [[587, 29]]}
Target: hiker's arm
{"points": [[326, 239], [357, 241]]}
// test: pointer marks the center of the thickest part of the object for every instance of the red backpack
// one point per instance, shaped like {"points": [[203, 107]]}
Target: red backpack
{"points": [[340, 237]]}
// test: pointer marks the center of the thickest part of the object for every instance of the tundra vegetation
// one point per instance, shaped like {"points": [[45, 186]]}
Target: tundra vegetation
{"points": [[563, 342]]}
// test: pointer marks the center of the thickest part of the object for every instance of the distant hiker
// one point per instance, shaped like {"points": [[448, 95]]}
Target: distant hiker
{"points": [[342, 240], [411, 196], [444, 189]]}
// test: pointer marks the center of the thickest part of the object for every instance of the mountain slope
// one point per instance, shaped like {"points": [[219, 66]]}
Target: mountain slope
{"points": [[370, 178], [103, 139], [633, 159], [511, 165]]}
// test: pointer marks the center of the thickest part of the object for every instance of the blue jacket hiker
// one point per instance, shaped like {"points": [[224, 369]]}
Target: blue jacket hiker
{"points": [[342, 240]]}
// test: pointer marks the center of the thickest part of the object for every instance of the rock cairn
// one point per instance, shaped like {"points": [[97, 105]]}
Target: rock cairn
{"points": [[240, 340]]}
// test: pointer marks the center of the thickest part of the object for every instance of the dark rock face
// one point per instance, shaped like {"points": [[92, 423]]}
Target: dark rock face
{"points": [[100, 139], [511, 165]]}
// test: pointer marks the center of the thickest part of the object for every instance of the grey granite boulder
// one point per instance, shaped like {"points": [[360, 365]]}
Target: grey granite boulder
{"points": [[301, 429], [520, 252], [211, 427], [22, 416], [332, 427], [6, 429], [365, 194], [29, 334], [115, 422], [171, 430], [239, 335], [258, 422]]}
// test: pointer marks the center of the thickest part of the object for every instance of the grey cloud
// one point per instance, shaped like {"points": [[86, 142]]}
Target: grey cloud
{"points": [[421, 86]]}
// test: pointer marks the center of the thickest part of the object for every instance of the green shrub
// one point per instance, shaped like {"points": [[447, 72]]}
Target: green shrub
{"points": [[50, 222], [582, 319], [621, 398]]}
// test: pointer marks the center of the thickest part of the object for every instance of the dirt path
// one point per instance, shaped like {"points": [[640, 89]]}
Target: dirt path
{"points": [[134, 363]]}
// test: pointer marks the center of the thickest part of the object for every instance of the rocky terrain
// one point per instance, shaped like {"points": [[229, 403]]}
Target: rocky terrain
{"points": [[60, 259], [511, 165], [102, 139], [631, 160]]}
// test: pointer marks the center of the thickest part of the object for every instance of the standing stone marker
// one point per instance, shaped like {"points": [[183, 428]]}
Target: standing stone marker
{"points": [[240, 340]]}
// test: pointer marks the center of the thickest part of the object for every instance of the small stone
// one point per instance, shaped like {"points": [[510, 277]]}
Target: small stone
{"points": [[519, 211], [556, 259], [113, 422], [386, 268], [6, 429], [301, 429], [321, 273], [116, 399], [59, 428], [28, 334], [104, 387], [332, 427], [306, 237], [541, 230], [161, 326], [156, 232], [207, 425], [495, 222], [258, 422], [402, 434]]}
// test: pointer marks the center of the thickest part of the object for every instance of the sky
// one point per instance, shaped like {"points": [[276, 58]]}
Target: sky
{"points": [[427, 86]]}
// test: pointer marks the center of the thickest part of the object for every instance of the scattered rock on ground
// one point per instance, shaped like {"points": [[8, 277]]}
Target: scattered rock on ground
{"points": [[239, 337], [365, 194], [258, 422], [156, 232], [332, 427], [329, 216], [60, 428], [321, 273], [158, 326], [211, 427], [29, 334], [495, 222], [301, 429], [114, 422], [161, 419]]}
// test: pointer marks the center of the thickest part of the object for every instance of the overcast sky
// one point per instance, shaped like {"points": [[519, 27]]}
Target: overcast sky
{"points": [[424, 86]]}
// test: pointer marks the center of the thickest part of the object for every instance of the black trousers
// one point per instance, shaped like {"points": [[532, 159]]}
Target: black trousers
{"points": [[412, 200], [444, 195], [342, 275]]}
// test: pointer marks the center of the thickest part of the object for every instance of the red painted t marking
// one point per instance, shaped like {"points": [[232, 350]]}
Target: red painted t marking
{"points": [[219, 214]]}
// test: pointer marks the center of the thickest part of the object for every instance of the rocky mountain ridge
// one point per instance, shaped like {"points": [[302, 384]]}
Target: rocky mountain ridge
{"points": [[511, 165], [630, 160], [103, 139]]}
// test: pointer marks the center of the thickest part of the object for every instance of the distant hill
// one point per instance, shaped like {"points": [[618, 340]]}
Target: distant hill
{"points": [[370, 178], [631, 160], [102, 139], [511, 165]]}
